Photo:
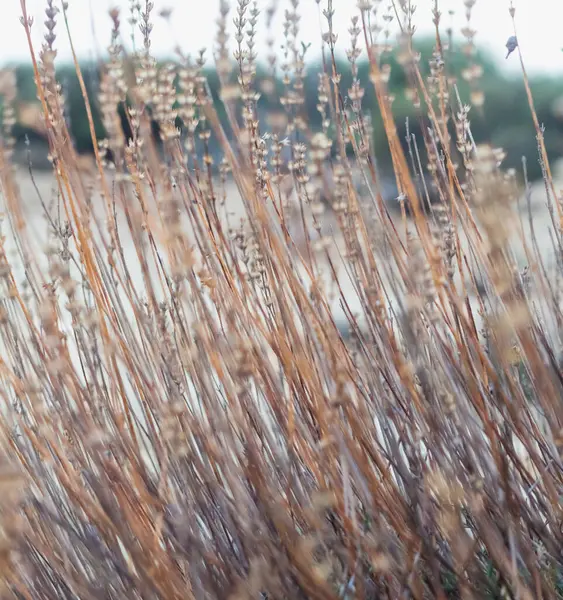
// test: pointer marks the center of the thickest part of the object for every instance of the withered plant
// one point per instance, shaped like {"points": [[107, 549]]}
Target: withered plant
{"points": [[185, 415]]}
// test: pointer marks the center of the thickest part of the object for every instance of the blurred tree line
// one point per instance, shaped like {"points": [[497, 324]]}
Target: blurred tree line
{"points": [[504, 120]]}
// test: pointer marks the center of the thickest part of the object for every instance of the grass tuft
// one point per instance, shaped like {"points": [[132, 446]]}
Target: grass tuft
{"points": [[250, 378]]}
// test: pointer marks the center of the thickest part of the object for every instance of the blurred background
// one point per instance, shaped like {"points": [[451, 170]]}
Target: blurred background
{"points": [[503, 120]]}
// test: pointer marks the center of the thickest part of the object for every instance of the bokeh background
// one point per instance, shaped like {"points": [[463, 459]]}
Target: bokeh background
{"points": [[191, 25]]}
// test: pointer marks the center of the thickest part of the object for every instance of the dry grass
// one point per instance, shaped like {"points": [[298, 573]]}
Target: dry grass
{"points": [[182, 415]]}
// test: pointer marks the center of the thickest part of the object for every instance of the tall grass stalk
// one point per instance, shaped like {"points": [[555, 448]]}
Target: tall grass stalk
{"points": [[184, 415]]}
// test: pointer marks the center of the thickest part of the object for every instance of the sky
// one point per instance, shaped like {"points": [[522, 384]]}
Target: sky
{"points": [[193, 27]]}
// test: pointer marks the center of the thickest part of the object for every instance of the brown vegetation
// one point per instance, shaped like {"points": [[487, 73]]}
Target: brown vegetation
{"points": [[187, 421]]}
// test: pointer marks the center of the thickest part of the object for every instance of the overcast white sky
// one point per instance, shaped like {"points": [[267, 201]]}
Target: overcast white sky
{"points": [[193, 26]]}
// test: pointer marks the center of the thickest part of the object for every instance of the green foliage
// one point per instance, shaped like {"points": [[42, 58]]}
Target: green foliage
{"points": [[75, 108], [504, 121]]}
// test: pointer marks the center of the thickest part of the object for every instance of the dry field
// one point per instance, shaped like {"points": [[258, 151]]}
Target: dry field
{"points": [[183, 416], [532, 213]]}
